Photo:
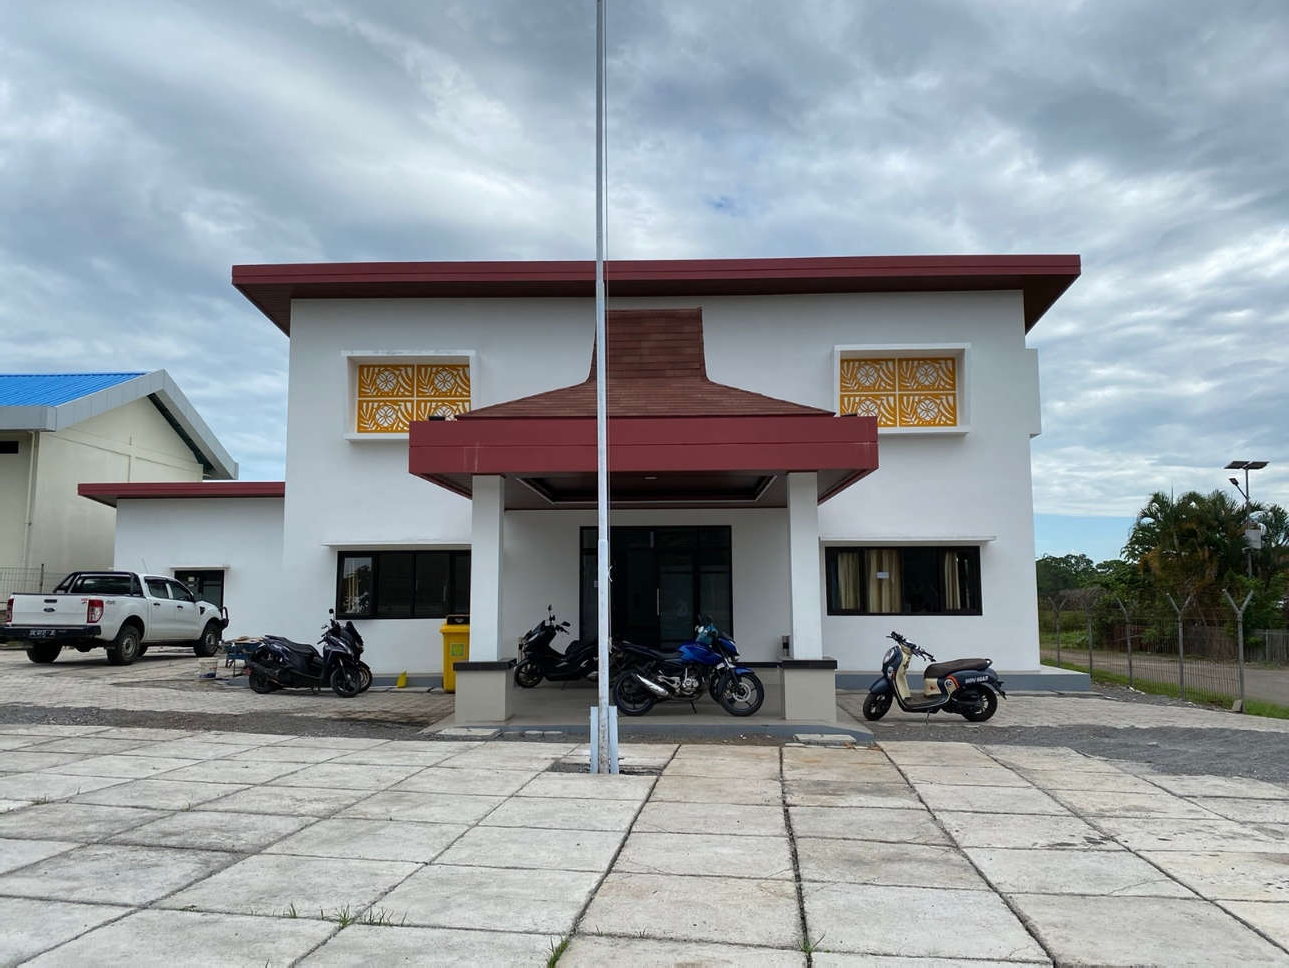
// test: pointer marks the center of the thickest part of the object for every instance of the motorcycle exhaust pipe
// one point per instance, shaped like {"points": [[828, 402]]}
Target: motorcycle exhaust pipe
{"points": [[653, 687]]}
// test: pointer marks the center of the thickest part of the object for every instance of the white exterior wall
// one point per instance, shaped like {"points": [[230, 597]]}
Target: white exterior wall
{"points": [[343, 493], [241, 536], [15, 470]]}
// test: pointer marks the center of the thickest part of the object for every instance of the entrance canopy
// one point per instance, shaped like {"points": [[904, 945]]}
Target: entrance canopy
{"points": [[676, 438]]}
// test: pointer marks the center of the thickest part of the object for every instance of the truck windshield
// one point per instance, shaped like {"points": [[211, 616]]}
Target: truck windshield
{"points": [[98, 584]]}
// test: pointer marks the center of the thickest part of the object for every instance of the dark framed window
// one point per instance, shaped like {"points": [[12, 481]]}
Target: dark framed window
{"points": [[903, 581], [402, 584], [8, 446], [205, 586]]}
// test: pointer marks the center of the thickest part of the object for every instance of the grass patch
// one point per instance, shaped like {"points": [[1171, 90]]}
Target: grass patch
{"points": [[810, 947], [1203, 697], [557, 950]]}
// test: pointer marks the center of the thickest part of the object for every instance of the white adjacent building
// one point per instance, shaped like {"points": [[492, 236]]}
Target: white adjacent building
{"points": [[814, 451]]}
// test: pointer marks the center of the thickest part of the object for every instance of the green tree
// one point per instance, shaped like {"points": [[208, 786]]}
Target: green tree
{"points": [[1060, 573]]}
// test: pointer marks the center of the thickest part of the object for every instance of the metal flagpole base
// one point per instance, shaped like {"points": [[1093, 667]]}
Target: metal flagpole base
{"points": [[613, 739]]}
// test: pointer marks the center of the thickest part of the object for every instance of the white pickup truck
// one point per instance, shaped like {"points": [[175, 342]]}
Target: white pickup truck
{"points": [[120, 611]]}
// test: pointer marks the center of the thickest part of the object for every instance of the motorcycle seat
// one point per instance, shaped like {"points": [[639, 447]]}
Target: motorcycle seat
{"points": [[937, 669], [302, 647]]}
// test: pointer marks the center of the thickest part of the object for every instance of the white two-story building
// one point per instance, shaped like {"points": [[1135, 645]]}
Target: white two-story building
{"points": [[813, 451]]}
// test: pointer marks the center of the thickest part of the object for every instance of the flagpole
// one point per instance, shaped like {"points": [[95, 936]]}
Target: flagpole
{"points": [[604, 761]]}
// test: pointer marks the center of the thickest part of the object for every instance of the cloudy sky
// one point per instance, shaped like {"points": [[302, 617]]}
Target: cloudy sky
{"points": [[147, 147]]}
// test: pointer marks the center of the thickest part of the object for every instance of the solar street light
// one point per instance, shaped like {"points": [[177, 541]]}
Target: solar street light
{"points": [[1249, 527]]}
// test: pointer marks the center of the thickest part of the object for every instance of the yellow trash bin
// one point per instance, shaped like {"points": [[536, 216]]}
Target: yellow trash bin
{"points": [[456, 647]]}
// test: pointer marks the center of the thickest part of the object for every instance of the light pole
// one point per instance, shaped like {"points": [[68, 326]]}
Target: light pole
{"points": [[1246, 466]]}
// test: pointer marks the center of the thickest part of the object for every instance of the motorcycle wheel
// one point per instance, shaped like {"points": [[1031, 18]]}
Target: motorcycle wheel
{"points": [[262, 684], [346, 682], [364, 671], [876, 704], [740, 693], [527, 674], [632, 698], [983, 706]]}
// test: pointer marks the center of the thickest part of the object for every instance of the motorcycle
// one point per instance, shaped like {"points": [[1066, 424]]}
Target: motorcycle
{"points": [[539, 660], [648, 676], [966, 686], [278, 663]]}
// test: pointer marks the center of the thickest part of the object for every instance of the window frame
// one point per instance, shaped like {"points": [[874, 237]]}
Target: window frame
{"points": [[373, 614], [961, 352], [830, 571]]}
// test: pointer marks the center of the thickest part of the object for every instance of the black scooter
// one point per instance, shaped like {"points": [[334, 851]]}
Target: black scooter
{"points": [[539, 660], [966, 686], [278, 663]]}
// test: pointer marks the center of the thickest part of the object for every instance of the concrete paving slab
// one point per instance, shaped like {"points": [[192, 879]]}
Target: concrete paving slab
{"points": [[1219, 786], [563, 813], [529, 847], [1075, 780], [270, 884], [20, 853], [914, 753], [756, 912], [965, 775], [24, 760], [402, 753], [346, 776], [812, 758], [194, 748], [371, 840], [292, 754], [1049, 758], [1023, 830], [1246, 811], [86, 745], [592, 952], [709, 789], [122, 765], [31, 927], [1095, 803], [145, 733], [865, 823], [51, 786], [646, 755], [207, 830], [838, 793], [338, 744], [1271, 919], [113, 873], [241, 771], [50, 729], [856, 774], [73, 821], [477, 782], [703, 854], [1101, 872], [15, 741], [1165, 833], [707, 751], [290, 801], [728, 819], [412, 806], [737, 769], [1228, 875], [173, 938], [1146, 930], [868, 862], [983, 927], [365, 946], [157, 794], [836, 959], [588, 786], [542, 901], [987, 799], [7, 805]]}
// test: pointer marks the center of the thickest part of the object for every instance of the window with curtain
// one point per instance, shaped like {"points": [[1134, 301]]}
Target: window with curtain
{"points": [[903, 581]]}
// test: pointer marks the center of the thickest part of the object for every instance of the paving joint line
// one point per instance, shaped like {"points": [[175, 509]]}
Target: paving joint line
{"points": [[802, 922]]}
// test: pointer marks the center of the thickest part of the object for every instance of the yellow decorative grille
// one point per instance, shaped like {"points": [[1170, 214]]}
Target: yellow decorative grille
{"points": [[391, 395], [901, 392]]}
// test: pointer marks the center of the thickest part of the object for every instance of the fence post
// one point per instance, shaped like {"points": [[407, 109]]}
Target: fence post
{"points": [[1057, 609], [1181, 648], [42, 579], [1089, 643], [1127, 628], [1239, 638]]}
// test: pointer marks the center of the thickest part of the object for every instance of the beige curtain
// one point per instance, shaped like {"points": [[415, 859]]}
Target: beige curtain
{"points": [[885, 589], [952, 587], [848, 563]]}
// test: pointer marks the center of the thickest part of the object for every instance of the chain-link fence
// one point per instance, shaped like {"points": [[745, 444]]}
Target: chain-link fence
{"points": [[16, 580], [1172, 649]]}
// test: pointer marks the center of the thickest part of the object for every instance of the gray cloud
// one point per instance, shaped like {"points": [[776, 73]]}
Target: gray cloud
{"points": [[146, 147]]}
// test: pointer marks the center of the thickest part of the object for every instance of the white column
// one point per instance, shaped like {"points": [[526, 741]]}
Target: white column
{"points": [[486, 516], [803, 566]]}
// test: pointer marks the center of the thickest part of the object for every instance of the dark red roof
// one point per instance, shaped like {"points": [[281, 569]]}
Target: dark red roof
{"points": [[656, 369], [109, 494], [1040, 278]]}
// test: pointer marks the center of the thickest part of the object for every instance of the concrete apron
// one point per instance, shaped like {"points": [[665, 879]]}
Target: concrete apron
{"points": [[565, 708]]}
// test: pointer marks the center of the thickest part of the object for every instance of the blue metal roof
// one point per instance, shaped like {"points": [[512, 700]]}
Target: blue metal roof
{"points": [[54, 389]]}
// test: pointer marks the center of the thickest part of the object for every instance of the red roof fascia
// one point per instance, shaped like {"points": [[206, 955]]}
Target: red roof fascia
{"points": [[1042, 278], [109, 494], [528, 446]]}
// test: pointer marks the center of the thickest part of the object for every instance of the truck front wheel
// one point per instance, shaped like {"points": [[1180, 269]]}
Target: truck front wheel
{"points": [[44, 652], [125, 649], [208, 644]]}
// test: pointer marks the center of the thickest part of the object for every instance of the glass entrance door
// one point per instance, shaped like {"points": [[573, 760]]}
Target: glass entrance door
{"points": [[661, 580]]}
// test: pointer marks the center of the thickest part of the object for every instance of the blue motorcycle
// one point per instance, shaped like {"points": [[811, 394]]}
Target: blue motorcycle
{"points": [[707, 664]]}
